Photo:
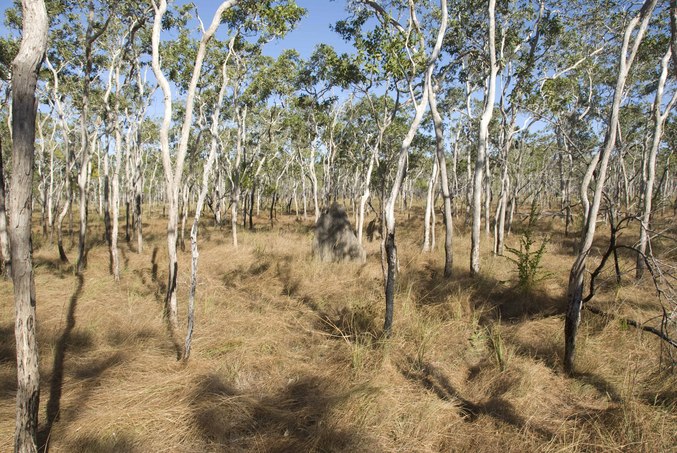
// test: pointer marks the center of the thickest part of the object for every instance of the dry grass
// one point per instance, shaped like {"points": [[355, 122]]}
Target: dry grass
{"points": [[288, 355]]}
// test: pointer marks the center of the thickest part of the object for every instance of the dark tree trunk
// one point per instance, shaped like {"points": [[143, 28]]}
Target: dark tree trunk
{"points": [[391, 257], [251, 206]]}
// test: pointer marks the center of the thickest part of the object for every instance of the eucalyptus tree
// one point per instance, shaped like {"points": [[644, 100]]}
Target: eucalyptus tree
{"points": [[527, 33], [659, 113], [25, 69], [418, 48], [277, 17], [122, 43], [95, 28], [248, 95], [204, 187], [633, 33], [446, 192], [173, 172], [483, 138]]}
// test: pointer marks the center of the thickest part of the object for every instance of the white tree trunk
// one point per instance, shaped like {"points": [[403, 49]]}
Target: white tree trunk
{"points": [[659, 121], [446, 194], [576, 276], [430, 207], [482, 141], [173, 173], [198, 211]]}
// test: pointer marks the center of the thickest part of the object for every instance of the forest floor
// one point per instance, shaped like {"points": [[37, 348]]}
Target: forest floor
{"points": [[288, 354]]}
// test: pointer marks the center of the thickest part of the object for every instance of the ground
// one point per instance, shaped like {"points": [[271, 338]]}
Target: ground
{"points": [[288, 354]]}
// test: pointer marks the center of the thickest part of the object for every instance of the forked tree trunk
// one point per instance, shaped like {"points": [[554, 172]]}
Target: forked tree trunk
{"points": [[174, 172], [659, 119], [198, 211], [577, 274], [388, 243], [24, 109]]}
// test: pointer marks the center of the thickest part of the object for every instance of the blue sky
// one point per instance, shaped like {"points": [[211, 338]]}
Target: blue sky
{"points": [[312, 30]]}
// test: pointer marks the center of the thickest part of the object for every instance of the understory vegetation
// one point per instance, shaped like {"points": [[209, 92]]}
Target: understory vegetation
{"points": [[288, 353]]}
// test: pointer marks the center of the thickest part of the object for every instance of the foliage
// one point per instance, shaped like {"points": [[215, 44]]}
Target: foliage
{"points": [[527, 258]]}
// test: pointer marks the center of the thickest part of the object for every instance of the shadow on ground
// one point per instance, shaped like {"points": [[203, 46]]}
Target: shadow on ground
{"points": [[296, 418], [496, 407], [488, 297]]}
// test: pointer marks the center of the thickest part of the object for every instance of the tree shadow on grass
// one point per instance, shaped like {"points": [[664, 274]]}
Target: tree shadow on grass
{"points": [[56, 381], [500, 409], [54, 265], [297, 418], [115, 443], [490, 298], [7, 362], [549, 352]]}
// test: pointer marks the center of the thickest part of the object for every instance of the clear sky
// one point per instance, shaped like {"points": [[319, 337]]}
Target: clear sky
{"points": [[314, 29], [311, 31]]}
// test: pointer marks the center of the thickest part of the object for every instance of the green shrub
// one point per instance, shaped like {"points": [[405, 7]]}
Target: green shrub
{"points": [[528, 257]]}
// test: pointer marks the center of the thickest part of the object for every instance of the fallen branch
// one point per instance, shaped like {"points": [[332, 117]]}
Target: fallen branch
{"points": [[633, 323]]}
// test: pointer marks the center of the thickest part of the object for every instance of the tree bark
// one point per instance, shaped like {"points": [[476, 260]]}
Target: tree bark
{"points": [[389, 244], [25, 69], [429, 207], [198, 211]]}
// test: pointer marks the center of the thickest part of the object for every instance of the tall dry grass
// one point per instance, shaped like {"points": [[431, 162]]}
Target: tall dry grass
{"points": [[288, 354]]}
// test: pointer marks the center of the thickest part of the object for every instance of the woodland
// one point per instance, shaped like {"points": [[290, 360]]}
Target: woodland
{"points": [[457, 236]]}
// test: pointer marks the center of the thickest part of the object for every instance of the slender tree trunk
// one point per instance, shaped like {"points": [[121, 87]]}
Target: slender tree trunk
{"points": [[198, 211], [659, 119], [488, 197], [85, 149], [389, 209], [430, 206], [64, 212], [483, 137], [313, 179], [115, 185], [365, 195], [446, 194], [25, 69], [174, 172], [234, 199], [576, 276], [185, 202], [4, 235]]}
